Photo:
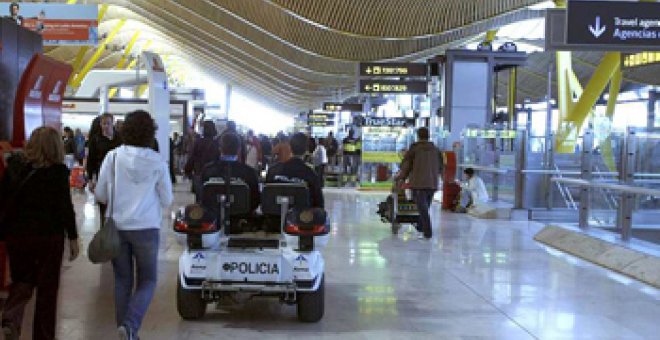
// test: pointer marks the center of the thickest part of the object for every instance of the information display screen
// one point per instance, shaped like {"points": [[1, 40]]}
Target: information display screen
{"points": [[393, 86], [59, 24]]}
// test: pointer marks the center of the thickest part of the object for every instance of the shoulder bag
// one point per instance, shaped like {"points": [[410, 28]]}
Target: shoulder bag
{"points": [[106, 243]]}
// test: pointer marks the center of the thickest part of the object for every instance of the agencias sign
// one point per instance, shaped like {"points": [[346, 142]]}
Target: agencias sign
{"points": [[613, 25]]}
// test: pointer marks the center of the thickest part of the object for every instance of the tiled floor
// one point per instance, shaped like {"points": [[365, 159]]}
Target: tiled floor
{"points": [[474, 280]]}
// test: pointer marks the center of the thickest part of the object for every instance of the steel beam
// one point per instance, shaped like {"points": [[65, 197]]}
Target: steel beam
{"points": [[606, 145], [124, 57], [90, 64], [82, 51], [573, 121], [128, 50], [586, 174], [513, 87]]}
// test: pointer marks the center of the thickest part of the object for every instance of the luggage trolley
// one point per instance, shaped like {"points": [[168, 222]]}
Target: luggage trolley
{"points": [[398, 209]]}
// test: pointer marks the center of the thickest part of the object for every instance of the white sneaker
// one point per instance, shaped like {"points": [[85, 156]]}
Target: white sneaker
{"points": [[124, 333], [420, 235]]}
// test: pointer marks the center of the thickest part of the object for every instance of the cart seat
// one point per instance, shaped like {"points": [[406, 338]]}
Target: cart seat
{"points": [[278, 199], [215, 194]]}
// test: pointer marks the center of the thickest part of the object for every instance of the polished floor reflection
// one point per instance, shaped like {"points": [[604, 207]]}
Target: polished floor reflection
{"points": [[476, 279]]}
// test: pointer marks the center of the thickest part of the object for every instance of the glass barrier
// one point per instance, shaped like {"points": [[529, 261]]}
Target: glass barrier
{"points": [[646, 208]]}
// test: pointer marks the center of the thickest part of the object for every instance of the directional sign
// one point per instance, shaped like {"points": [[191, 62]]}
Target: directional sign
{"points": [[614, 24], [393, 86], [339, 107], [393, 70], [320, 119]]}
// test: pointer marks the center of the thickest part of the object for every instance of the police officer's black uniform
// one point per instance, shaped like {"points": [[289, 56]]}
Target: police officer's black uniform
{"points": [[296, 171], [239, 171]]}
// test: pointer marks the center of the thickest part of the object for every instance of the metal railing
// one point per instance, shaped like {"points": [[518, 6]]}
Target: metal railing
{"points": [[625, 210]]}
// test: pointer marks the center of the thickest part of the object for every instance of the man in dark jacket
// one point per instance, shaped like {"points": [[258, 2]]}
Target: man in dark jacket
{"points": [[332, 146], [421, 165], [229, 156], [102, 139], [296, 171], [205, 150]]}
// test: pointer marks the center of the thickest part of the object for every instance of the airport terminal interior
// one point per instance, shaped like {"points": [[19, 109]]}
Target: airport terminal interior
{"points": [[333, 169]]}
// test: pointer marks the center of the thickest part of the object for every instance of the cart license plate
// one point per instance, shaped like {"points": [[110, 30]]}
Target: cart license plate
{"points": [[251, 268]]}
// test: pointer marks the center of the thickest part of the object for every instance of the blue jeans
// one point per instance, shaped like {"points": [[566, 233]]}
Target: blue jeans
{"points": [[423, 199], [139, 255]]}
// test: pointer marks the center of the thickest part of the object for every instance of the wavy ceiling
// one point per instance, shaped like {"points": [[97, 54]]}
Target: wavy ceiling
{"points": [[297, 53]]}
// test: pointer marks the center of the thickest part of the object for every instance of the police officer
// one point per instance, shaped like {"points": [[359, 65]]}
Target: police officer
{"points": [[351, 154], [296, 170], [230, 146]]}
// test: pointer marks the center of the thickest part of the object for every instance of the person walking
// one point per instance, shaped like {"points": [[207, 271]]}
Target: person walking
{"points": [[421, 166], [79, 142], [38, 217], [205, 150], [69, 147], [320, 160], [142, 189], [253, 154], [102, 139]]}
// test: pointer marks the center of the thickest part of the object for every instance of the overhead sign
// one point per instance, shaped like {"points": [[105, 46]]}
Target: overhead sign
{"points": [[393, 86], [393, 70], [339, 107], [614, 24], [320, 119], [59, 24], [490, 134], [382, 121]]}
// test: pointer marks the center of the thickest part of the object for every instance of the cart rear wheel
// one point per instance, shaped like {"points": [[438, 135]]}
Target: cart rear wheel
{"points": [[311, 305], [189, 302]]}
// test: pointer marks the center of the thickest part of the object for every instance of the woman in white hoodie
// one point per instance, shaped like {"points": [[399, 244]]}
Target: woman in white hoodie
{"points": [[140, 178]]}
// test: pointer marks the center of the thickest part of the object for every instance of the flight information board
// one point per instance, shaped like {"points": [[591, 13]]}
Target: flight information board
{"points": [[393, 86], [393, 70]]}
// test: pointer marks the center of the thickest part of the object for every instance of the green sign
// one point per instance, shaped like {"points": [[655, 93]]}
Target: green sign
{"points": [[380, 157], [490, 134]]}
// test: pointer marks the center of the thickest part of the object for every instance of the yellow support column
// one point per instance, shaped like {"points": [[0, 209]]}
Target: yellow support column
{"points": [[131, 65], [128, 50], [606, 145], [124, 57], [491, 35], [580, 111], [90, 64], [77, 63], [513, 87]]}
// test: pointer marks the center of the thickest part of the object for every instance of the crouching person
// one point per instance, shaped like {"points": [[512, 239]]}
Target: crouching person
{"points": [[473, 192]]}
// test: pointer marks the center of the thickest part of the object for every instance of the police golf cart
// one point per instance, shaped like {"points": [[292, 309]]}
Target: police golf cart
{"points": [[230, 257]]}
